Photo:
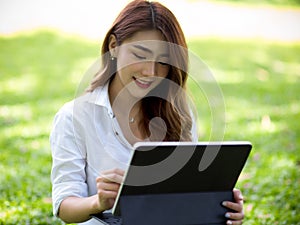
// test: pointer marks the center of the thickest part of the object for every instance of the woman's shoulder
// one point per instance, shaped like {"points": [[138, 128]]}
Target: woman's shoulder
{"points": [[66, 108], [72, 113], [83, 106]]}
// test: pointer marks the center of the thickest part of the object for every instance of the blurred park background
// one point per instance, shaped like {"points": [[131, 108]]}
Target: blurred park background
{"points": [[251, 46]]}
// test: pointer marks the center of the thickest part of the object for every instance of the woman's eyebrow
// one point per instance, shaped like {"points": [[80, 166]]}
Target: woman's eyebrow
{"points": [[149, 50]]}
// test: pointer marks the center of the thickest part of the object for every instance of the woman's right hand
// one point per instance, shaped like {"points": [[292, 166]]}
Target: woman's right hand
{"points": [[108, 184]]}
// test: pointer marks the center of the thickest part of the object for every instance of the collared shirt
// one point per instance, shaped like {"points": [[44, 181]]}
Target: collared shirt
{"points": [[86, 139]]}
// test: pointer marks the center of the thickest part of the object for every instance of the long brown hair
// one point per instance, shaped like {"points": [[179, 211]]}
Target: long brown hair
{"points": [[143, 15]]}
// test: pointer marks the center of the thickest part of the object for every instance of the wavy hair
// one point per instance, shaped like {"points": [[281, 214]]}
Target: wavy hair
{"points": [[141, 15]]}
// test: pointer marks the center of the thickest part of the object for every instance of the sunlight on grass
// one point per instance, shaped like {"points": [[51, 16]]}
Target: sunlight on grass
{"points": [[27, 131], [13, 113], [233, 76], [22, 84]]}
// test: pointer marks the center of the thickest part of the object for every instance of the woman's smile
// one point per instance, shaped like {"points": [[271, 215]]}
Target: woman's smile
{"points": [[143, 82]]}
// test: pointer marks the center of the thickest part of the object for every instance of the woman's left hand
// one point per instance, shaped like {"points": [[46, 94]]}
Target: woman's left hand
{"points": [[237, 206]]}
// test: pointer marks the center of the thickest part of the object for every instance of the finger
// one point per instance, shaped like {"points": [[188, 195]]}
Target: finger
{"points": [[115, 170], [104, 194], [116, 178], [112, 177], [108, 186], [234, 222], [234, 216], [238, 207], [237, 194]]}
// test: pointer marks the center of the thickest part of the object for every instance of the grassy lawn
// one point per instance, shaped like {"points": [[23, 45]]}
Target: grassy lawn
{"points": [[260, 83]]}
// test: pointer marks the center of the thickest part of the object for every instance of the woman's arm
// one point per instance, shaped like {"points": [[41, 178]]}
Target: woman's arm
{"points": [[77, 209]]}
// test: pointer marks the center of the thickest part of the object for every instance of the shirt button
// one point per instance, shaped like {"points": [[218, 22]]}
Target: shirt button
{"points": [[112, 115]]}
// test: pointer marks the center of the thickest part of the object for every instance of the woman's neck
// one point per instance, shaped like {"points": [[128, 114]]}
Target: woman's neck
{"points": [[122, 101], [127, 111]]}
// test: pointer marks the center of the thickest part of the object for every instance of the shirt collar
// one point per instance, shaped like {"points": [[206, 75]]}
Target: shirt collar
{"points": [[100, 97]]}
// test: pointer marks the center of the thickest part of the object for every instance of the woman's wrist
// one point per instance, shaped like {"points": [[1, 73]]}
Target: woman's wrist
{"points": [[95, 207]]}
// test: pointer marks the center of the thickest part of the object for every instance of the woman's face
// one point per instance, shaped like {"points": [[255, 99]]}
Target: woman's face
{"points": [[142, 62]]}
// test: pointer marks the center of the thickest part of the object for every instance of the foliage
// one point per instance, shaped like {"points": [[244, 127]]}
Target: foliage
{"points": [[40, 71]]}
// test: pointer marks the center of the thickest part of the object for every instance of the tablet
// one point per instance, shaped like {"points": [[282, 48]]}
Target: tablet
{"points": [[183, 167]]}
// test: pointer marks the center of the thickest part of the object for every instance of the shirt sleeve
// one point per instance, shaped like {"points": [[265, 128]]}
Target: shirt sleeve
{"points": [[68, 175]]}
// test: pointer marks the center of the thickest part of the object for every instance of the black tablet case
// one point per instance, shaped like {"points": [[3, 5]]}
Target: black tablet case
{"points": [[190, 196]]}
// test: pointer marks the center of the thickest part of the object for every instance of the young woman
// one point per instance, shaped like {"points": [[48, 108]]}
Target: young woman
{"points": [[143, 78]]}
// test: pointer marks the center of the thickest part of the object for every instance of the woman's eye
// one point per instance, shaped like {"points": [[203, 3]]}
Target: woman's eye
{"points": [[138, 56], [163, 63]]}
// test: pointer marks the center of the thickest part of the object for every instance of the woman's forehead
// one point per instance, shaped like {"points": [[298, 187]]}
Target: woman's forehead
{"points": [[147, 35], [149, 41]]}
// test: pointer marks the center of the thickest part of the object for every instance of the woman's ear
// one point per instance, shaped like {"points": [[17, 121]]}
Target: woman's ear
{"points": [[112, 44]]}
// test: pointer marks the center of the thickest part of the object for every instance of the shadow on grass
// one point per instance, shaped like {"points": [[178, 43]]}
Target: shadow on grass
{"points": [[41, 71]]}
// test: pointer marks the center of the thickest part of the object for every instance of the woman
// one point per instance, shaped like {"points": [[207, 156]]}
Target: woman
{"points": [[143, 78]]}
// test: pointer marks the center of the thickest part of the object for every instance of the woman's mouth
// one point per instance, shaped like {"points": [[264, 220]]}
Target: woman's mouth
{"points": [[142, 83]]}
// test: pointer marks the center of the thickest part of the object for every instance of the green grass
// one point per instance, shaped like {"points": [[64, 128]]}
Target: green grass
{"points": [[39, 72], [260, 82]]}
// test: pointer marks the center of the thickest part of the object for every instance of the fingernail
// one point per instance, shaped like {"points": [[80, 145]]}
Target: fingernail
{"points": [[229, 222], [224, 203], [241, 197], [227, 215]]}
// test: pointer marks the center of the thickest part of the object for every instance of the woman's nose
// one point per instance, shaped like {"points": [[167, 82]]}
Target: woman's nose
{"points": [[149, 68]]}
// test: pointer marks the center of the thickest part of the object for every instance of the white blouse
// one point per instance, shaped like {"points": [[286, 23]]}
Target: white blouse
{"points": [[86, 139]]}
